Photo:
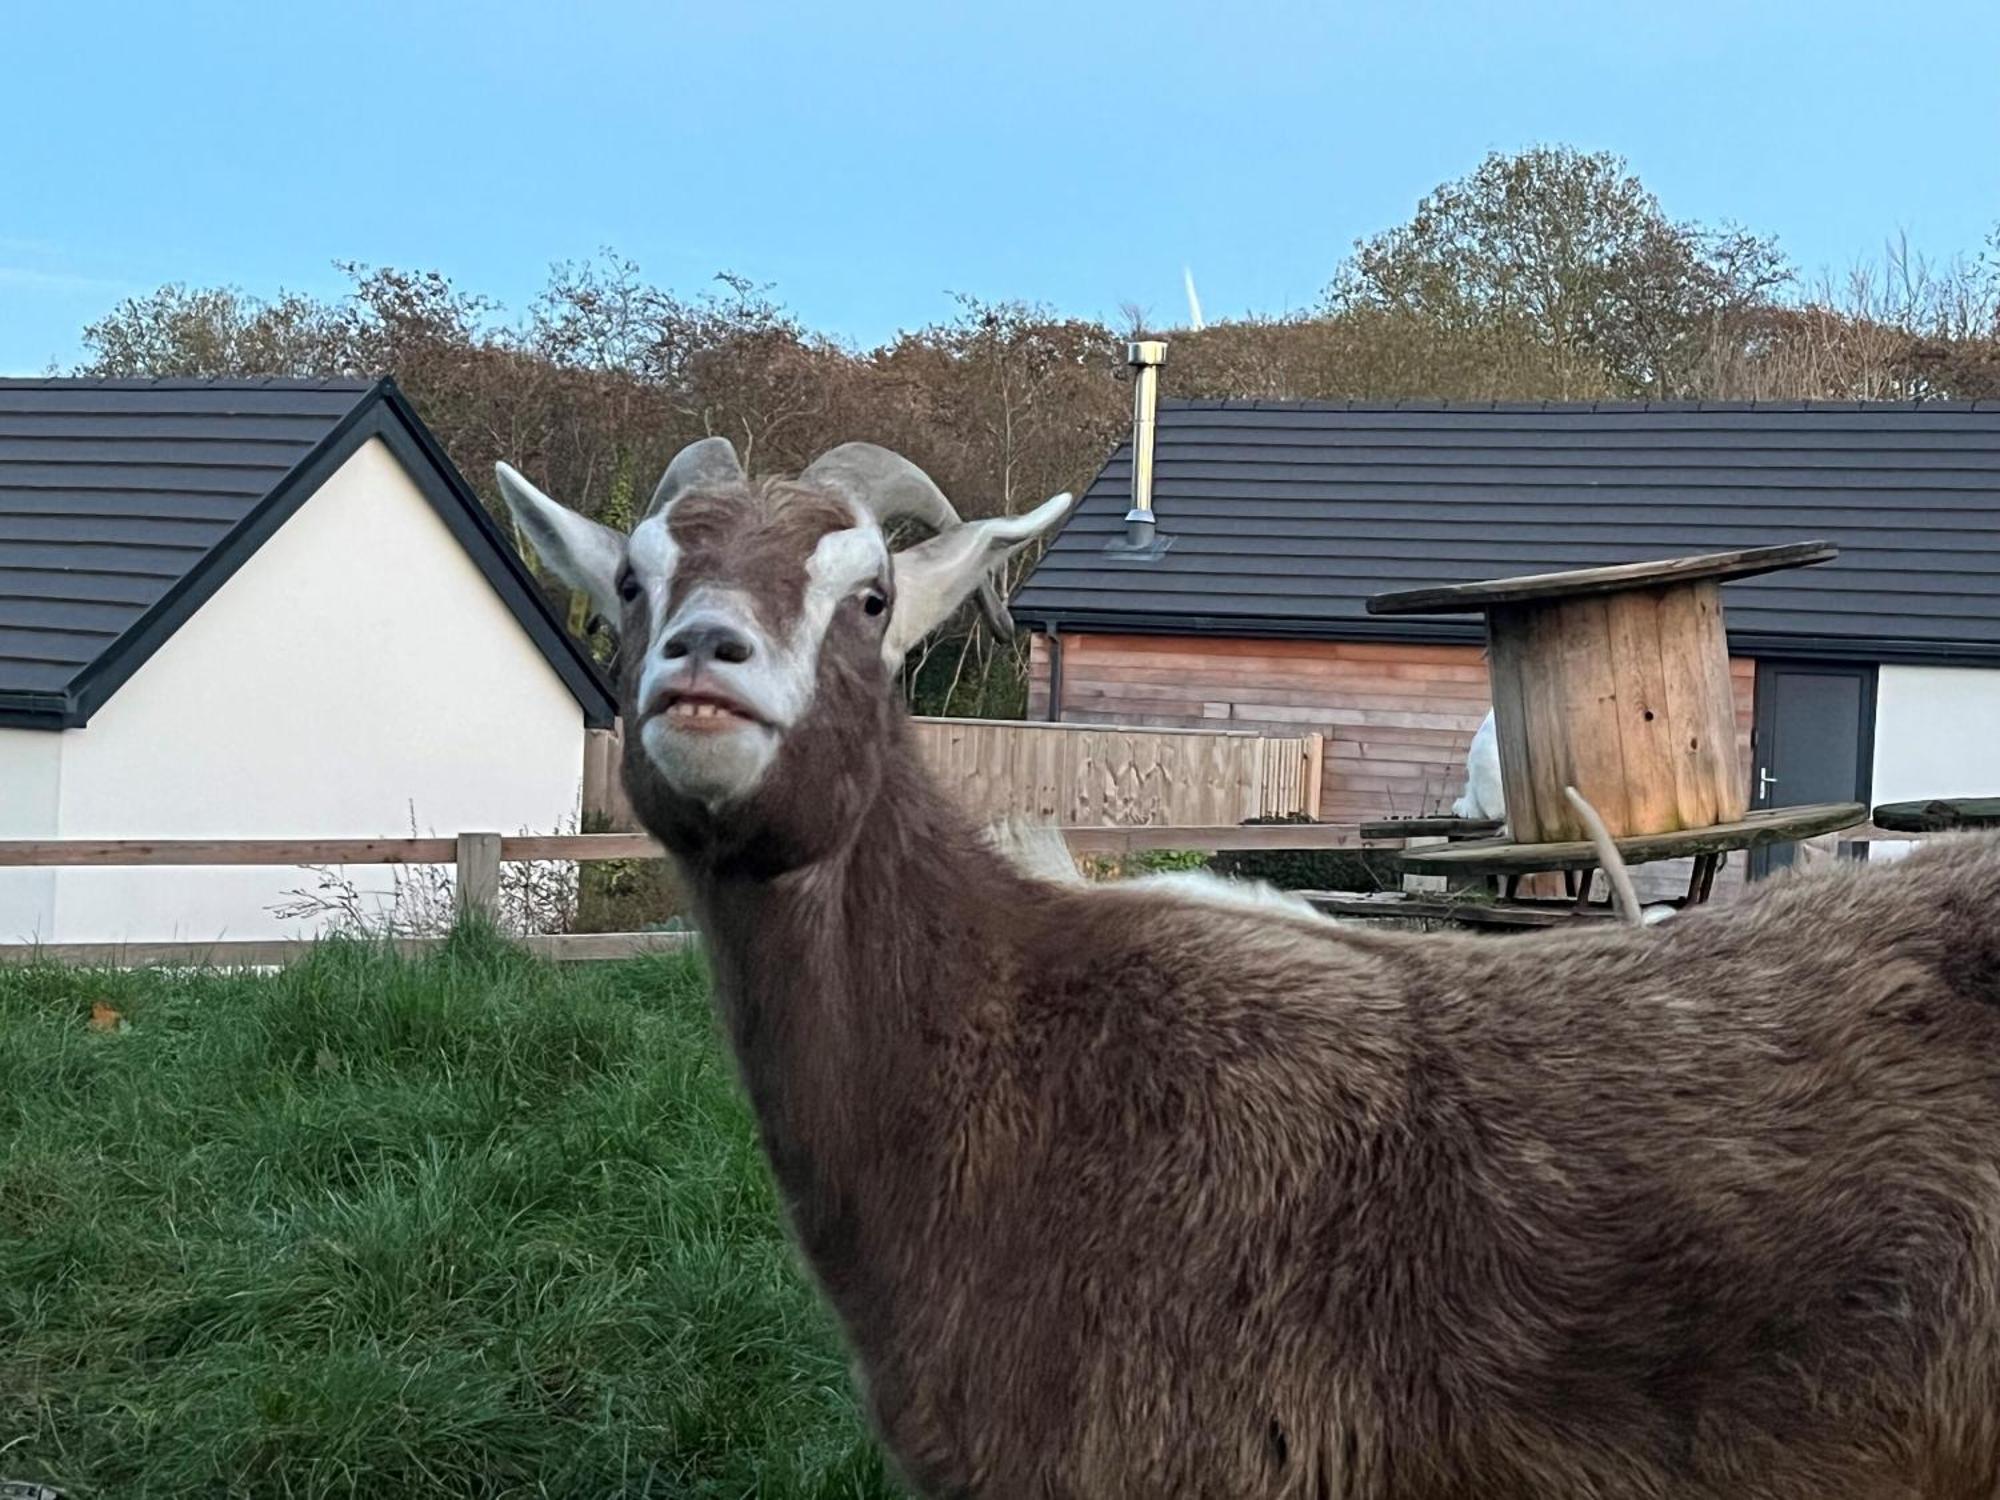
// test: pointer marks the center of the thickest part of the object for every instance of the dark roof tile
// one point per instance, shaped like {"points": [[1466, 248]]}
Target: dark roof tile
{"points": [[1286, 516]]}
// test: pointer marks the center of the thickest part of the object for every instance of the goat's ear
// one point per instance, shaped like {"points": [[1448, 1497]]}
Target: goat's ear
{"points": [[933, 578], [576, 549]]}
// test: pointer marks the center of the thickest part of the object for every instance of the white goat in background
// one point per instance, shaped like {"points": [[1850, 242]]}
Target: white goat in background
{"points": [[1482, 797]]}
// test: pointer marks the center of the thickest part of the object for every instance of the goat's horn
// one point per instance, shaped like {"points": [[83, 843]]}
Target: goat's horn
{"points": [[1623, 896], [891, 488], [708, 462]]}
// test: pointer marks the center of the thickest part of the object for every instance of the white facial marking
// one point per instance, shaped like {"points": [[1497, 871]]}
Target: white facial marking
{"points": [[841, 563], [653, 555], [713, 726]]}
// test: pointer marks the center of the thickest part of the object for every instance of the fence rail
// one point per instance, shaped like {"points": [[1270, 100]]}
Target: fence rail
{"points": [[477, 858], [260, 953]]}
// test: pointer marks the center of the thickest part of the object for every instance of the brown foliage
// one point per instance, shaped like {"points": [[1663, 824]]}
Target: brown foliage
{"points": [[1548, 275]]}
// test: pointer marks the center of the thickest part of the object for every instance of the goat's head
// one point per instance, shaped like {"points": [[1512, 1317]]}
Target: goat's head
{"points": [[761, 626]]}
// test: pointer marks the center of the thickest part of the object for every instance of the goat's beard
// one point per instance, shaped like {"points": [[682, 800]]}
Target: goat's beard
{"points": [[715, 769], [811, 801]]}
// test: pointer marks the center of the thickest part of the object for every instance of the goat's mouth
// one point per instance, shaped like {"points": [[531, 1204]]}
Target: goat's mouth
{"points": [[702, 712]]}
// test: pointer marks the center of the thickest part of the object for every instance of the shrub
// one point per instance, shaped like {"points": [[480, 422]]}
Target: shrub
{"points": [[1311, 869]]}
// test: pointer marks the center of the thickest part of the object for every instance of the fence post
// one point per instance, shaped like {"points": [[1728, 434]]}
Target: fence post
{"points": [[479, 874]]}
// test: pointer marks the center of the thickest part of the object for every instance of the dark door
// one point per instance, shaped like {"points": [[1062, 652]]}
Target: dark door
{"points": [[1814, 741]]}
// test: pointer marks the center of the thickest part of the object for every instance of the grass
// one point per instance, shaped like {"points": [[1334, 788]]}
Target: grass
{"points": [[471, 1226]]}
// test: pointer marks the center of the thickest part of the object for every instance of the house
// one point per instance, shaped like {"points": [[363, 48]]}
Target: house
{"points": [[257, 609], [1235, 591]]}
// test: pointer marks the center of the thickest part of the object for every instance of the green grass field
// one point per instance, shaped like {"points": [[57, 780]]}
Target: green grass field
{"points": [[474, 1226]]}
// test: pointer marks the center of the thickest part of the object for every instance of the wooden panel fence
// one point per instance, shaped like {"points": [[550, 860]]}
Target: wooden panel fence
{"points": [[1078, 774]]}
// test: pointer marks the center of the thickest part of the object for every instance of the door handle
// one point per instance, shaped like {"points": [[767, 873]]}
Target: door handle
{"points": [[1765, 781]]}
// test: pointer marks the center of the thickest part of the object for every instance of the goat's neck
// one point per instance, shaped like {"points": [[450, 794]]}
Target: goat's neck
{"points": [[835, 982]]}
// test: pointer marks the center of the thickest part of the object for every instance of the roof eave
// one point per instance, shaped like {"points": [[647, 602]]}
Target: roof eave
{"points": [[39, 711]]}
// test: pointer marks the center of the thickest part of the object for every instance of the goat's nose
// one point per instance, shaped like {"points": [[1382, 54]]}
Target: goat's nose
{"points": [[708, 640]]}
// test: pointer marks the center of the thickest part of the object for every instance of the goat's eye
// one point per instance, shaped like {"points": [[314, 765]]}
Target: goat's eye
{"points": [[873, 602], [628, 587]]}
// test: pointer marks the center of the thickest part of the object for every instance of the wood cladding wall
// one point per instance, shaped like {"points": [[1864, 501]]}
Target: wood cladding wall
{"points": [[1397, 719]]}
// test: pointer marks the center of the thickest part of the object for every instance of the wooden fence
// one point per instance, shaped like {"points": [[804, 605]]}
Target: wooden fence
{"points": [[1076, 774], [477, 858]]}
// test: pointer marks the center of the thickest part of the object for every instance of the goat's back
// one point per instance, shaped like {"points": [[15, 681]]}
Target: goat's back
{"points": [[1275, 1208]]}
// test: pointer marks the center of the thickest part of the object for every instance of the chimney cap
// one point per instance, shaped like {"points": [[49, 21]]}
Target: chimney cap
{"points": [[1146, 352]]}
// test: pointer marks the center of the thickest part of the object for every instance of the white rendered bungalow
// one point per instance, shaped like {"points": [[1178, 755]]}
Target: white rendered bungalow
{"points": [[257, 609]]}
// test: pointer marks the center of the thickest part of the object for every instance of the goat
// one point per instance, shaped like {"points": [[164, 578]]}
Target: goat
{"points": [[1483, 796], [1125, 1193]]}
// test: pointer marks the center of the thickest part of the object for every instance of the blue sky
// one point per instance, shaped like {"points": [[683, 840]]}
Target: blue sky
{"points": [[870, 159]]}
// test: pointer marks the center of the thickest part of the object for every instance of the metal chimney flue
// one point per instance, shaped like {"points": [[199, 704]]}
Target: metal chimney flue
{"points": [[1141, 526]]}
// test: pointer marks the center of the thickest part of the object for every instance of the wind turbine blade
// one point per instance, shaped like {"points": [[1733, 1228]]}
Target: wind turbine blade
{"points": [[1194, 302]]}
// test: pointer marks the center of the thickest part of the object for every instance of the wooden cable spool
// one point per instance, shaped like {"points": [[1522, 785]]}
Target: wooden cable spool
{"points": [[1614, 681]]}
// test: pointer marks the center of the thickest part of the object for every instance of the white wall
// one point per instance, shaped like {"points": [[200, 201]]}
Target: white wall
{"points": [[355, 670], [1937, 734], [30, 791]]}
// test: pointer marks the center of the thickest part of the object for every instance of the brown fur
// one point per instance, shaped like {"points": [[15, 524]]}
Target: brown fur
{"points": [[1123, 1195], [756, 540]]}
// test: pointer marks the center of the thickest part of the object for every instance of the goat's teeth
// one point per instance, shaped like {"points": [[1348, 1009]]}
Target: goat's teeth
{"points": [[688, 710]]}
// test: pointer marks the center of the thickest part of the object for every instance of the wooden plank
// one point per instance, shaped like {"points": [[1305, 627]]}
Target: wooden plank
{"points": [[603, 778], [1315, 774], [1248, 698], [135, 852], [42, 852], [1467, 598], [1522, 707], [1042, 772], [1939, 815], [1778, 825], [1381, 677], [1576, 638], [253, 953], [1643, 719], [1017, 726], [478, 874], [1205, 650], [1399, 828], [1716, 760], [1501, 914], [580, 848], [1684, 682], [1393, 743]]}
